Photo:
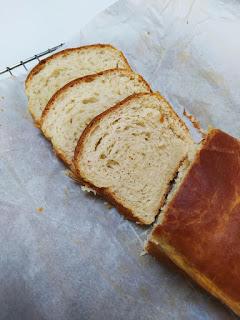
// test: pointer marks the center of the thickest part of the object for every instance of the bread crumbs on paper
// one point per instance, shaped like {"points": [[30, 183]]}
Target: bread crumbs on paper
{"points": [[40, 209], [108, 205], [143, 253], [89, 190]]}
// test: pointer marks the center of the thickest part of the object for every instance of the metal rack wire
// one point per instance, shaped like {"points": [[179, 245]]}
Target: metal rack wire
{"points": [[23, 63]]}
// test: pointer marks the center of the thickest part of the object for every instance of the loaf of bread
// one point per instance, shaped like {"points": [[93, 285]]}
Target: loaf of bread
{"points": [[55, 71], [199, 227], [127, 144], [71, 108], [131, 152]]}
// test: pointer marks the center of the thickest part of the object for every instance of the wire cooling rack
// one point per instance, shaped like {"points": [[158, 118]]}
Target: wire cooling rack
{"points": [[23, 63]]}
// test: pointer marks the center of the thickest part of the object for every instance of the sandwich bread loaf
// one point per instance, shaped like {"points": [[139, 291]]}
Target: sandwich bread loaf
{"points": [[198, 228]]}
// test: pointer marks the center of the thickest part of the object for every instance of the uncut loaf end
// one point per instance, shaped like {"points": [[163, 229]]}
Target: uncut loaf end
{"points": [[198, 228]]}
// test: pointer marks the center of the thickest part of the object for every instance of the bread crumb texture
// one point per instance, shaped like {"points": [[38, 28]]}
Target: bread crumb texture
{"points": [[88, 190]]}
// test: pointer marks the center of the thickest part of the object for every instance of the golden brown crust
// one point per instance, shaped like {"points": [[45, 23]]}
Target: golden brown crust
{"points": [[173, 264], [62, 157], [104, 192], [193, 120], [125, 60], [58, 153], [87, 78], [177, 263], [155, 250], [42, 63], [196, 124], [35, 122], [200, 229]]}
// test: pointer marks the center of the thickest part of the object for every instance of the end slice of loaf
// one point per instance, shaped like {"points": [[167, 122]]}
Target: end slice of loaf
{"points": [[131, 152], [72, 108], [198, 228], [54, 72]]}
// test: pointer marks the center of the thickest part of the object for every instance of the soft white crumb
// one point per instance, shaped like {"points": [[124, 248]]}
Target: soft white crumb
{"points": [[108, 205]]}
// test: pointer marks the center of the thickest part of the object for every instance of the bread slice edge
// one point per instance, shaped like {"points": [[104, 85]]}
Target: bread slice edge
{"points": [[105, 192], [43, 62], [164, 252]]}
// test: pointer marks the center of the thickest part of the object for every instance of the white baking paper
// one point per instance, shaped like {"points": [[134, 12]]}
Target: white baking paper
{"points": [[63, 253]]}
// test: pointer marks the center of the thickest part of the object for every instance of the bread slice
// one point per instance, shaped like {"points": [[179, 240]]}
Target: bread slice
{"points": [[198, 229], [55, 71], [76, 104], [131, 152]]}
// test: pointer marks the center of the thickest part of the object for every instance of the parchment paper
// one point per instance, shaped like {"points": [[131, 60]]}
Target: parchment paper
{"points": [[75, 258]]}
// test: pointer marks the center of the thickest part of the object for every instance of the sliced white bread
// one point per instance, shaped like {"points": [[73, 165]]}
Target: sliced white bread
{"points": [[130, 153], [72, 108], [54, 72]]}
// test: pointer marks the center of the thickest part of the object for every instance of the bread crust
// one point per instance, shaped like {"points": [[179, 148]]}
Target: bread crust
{"points": [[105, 192], [43, 62], [196, 124], [200, 228]]}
